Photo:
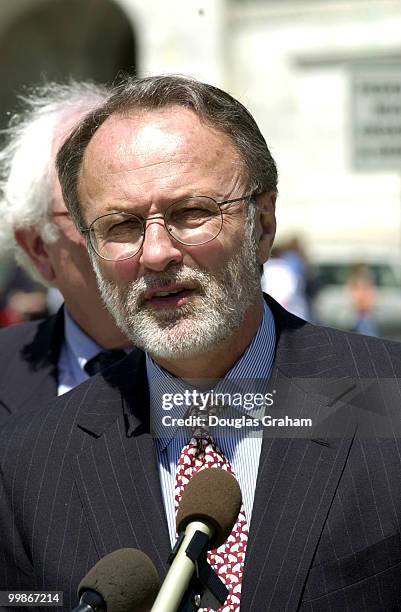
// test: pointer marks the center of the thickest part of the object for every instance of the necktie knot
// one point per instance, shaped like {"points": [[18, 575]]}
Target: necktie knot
{"points": [[103, 360], [201, 425]]}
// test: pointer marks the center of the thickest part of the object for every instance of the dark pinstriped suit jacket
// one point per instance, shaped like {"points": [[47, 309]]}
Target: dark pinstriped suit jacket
{"points": [[28, 363], [79, 479]]}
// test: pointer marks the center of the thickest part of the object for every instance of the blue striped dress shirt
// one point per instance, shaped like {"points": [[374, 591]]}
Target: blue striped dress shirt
{"points": [[240, 445]]}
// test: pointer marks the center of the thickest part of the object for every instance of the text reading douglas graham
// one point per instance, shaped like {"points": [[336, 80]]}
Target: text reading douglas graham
{"points": [[236, 422]]}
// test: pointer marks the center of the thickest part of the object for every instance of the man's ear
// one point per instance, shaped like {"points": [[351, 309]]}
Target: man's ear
{"points": [[265, 224], [31, 242]]}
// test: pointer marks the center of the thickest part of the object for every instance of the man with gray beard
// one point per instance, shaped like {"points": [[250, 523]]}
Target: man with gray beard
{"points": [[174, 188]]}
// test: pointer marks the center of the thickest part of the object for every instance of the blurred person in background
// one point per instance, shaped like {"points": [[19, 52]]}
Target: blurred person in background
{"points": [[285, 282], [295, 254], [362, 295], [42, 359], [21, 297]]}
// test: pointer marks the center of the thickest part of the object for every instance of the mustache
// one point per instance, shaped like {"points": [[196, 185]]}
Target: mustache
{"points": [[158, 280]]}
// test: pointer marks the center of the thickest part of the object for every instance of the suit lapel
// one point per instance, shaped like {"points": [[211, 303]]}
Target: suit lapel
{"points": [[118, 484], [116, 474], [297, 477]]}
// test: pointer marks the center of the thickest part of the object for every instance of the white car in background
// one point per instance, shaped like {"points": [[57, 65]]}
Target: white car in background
{"points": [[332, 303]]}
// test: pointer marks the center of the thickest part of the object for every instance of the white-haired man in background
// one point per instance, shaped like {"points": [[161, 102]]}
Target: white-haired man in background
{"points": [[39, 360]]}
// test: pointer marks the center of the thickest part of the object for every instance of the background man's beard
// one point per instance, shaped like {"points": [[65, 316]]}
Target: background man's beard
{"points": [[216, 311]]}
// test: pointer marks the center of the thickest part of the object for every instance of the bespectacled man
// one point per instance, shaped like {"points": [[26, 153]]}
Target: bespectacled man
{"points": [[173, 186]]}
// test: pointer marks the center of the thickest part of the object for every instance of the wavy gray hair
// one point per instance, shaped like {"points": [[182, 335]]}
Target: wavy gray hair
{"points": [[27, 160], [214, 106]]}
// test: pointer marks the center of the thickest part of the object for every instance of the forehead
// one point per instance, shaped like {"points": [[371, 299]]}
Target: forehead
{"points": [[149, 142]]}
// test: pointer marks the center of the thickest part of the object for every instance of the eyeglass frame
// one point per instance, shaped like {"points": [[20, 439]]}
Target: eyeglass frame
{"points": [[143, 220]]}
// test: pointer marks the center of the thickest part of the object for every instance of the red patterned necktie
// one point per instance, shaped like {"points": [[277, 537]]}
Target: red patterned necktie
{"points": [[228, 559]]}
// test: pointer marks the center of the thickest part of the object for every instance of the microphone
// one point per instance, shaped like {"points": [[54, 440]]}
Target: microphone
{"points": [[125, 579], [207, 513]]}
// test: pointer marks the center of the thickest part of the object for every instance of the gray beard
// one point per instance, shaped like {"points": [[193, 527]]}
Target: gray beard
{"points": [[218, 310]]}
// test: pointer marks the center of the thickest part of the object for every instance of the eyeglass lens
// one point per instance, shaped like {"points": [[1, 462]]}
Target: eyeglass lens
{"points": [[193, 221]]}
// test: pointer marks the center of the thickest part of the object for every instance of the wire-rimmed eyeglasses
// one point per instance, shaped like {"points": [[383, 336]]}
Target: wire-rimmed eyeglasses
{"points": [[193, 221]]}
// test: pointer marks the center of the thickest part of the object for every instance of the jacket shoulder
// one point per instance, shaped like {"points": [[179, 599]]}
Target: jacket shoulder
{"points": [[28, 361], [20, 332], [370, 356], [307, 349]]}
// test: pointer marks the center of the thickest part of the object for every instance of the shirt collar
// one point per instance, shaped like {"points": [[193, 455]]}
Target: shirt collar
{"points": [[256, 363], [81, 346]]}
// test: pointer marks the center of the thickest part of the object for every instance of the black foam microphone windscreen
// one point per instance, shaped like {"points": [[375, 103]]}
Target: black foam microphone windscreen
{"points": [[126, 579], [212, 495]]}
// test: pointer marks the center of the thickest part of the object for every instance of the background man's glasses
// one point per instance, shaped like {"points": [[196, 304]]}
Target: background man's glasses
{"points": [[193, 221]]}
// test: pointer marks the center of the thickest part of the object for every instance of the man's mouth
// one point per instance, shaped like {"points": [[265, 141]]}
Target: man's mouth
{"points": [[169, 297]]}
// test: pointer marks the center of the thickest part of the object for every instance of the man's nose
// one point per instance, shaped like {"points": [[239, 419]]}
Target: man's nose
{"points": [[159, 249]]}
